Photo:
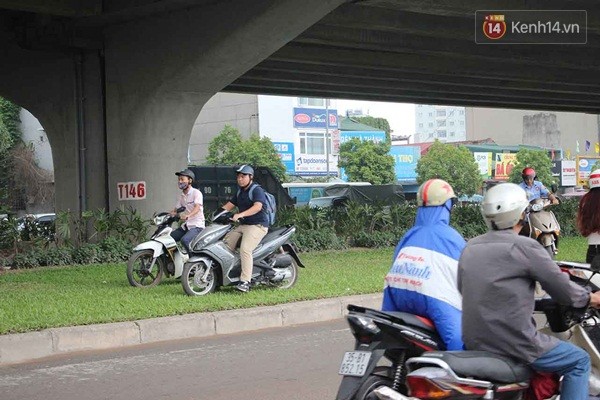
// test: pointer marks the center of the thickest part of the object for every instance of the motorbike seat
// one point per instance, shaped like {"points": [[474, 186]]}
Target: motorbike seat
{"points": [[272, 234], [413, 320], [483, 365]]}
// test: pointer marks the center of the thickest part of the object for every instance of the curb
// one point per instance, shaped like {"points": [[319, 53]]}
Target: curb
{"points": [[22, 347]]}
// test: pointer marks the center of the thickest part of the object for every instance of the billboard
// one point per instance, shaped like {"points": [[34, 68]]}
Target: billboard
{"points": [[484, 162], [285, 151], [584, 167], [314, 118], [504, 165], [373, 136], [406, 158], [315, 164]]}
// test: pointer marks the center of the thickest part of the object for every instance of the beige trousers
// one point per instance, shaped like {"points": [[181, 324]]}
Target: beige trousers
{"points": [[251, 236]]}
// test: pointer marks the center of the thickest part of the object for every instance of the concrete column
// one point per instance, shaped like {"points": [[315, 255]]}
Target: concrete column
{"points": [[161, 71], [44, 83]]}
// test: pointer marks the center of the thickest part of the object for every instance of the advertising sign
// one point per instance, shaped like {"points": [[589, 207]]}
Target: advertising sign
{"points": [[315, 164], [285, 151], [484, 162], [584, 167], [406, 158], [131, 190], [373, 136], [314, 118], [568, 173], [504, 165]]}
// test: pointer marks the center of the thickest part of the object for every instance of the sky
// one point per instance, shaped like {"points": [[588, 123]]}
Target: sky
{"points": [[401, 116]]}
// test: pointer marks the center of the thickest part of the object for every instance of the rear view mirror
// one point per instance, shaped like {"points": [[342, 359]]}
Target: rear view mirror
{"points": [[595, 266], [554, 188]]}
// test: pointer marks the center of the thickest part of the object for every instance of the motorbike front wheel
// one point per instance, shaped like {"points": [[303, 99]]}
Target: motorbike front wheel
{"points": [[291, 276], [139, 272], [198, 279], [365, 392]]}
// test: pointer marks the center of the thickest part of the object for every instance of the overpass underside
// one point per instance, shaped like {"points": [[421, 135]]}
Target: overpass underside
{"points": [[118, 84]]}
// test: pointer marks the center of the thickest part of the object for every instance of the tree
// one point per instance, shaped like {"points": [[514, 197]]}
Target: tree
{"points": [[229, 148], [380, 123], [10, 136], [536, 159], [455, 165], [596, 166], [367, 161]]}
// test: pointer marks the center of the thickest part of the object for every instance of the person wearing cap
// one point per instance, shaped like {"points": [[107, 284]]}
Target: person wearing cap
{"points": [[422, 279], [193, 215], [254, 222], [588, 216], [497, 272], [534, 188]]}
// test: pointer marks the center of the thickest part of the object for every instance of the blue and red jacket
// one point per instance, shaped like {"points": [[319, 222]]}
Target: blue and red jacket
{"points": [[423, 277]]}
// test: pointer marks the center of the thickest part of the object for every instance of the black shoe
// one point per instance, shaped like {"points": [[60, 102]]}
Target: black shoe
{"points": [[243, 286]]}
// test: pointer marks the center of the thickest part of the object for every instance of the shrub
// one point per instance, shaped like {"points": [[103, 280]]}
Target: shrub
{"points": [[566, 214], [89, 253], [377, 239], [25, 260], [313, 240], [115, 249]]}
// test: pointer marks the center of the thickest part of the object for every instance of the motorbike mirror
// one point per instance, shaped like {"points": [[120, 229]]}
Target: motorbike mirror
{"points": [[554, 188], [595, 266]]}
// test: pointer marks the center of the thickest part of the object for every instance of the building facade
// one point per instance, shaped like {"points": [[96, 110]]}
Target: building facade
{"points": [[444, 123]]}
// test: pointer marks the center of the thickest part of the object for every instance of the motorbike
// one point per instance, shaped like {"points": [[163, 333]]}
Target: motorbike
{"points": [[383, 342], [160, 255], [482, 375], [212, 264], [543, 225]]}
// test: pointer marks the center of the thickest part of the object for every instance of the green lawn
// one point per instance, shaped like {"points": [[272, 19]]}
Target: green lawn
{"points": [[53, 297], [81, 295]]}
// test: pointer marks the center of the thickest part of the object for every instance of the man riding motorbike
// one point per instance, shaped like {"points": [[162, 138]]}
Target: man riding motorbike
{"points": [[534, 188], [497, 272], [191, 199], [422, 279]]}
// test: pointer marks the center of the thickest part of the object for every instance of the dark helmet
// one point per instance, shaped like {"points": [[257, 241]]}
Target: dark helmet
{"points": [[186, 172], [528, 171], [245, 169]]}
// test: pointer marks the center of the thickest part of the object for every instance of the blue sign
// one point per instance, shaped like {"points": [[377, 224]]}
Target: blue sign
{"points": [[406, 158], [314, 118], [285, 151], [373, 136]]}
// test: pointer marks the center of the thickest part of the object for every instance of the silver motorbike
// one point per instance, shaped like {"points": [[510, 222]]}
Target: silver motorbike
{"points": [[212, 264]]}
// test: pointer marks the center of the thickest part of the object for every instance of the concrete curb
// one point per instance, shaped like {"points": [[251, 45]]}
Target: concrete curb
{"points": [[30, 346]]}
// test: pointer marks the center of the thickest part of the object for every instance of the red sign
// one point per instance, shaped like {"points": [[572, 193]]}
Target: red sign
{"points": [[494, 26], [302, 118], [131, 190]]}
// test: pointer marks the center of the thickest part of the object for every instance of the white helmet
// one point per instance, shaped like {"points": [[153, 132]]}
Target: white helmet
{"points": [[594, 179], [503, 206], [434, 192]]}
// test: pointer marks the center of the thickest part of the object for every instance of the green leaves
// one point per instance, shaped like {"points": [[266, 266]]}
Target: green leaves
{"points": [[453, 164], [229, 148], [367, 161], [536, 159]]}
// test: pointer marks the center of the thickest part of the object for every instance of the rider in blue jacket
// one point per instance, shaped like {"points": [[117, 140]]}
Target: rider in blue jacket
{"points": [[423, 277]]}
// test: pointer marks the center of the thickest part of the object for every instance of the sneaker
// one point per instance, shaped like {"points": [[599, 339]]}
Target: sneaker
{"points": [[243, 286]]}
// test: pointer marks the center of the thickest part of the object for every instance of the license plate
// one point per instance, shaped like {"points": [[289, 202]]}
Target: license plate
{"points": [[355, 363]]}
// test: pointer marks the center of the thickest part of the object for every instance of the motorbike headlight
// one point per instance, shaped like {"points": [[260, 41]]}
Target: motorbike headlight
{"points": [[537, 207], [202, 241], [160, 219]]}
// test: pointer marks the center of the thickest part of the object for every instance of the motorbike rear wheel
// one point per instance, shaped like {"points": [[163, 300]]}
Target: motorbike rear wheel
{"points": [[287, 283], [138, 273], [365, 392], [199, 279]]}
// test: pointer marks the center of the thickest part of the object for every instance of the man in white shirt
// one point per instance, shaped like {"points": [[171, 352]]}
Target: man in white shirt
{"points": [[193, 215]]}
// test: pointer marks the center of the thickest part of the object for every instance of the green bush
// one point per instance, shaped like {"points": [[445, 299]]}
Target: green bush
{"points": [[25, 260], [376, 239], [89, 253], [314, 240], [115, 249], [55, 256], [566, 214]]}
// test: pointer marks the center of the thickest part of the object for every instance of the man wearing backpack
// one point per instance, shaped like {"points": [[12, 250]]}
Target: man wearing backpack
{"points": [[251, 201]]}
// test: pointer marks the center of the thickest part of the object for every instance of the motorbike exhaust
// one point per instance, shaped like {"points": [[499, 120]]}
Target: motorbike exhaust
{"points": [[281, 261], [281, 275]]}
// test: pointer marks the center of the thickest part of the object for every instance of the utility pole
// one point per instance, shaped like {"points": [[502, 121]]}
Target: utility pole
{"points": [[327, 137]]}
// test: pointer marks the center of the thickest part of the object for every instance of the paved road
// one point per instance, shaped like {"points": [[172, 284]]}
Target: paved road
{"points": [[290, 363]]}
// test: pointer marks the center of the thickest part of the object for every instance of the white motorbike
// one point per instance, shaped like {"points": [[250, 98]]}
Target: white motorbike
{"points": [[158, 256]]}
